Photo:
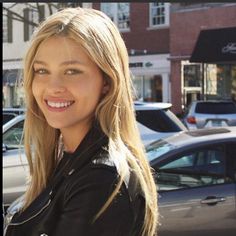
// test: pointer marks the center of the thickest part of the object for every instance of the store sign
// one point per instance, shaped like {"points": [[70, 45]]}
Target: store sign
{"points": [[135, 64], [140, 64], [229, 48]]}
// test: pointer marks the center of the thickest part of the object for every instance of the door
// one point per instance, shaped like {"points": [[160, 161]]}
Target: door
{"points": [[197, 192]]}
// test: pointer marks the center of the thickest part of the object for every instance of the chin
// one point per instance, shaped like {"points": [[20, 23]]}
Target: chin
{"points": [[56, 125]]}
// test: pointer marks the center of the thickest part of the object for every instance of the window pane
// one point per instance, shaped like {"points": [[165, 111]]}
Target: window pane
{"points": [[216, 108], [158, 13], [109, 9], [4, 28], [198, 168], [185, 161], [12, 138], [123, 15]]}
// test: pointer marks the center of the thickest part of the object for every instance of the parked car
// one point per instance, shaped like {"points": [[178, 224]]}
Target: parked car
{"points": [[10, 113], [203, 114], [154, 121], [195, 172], [15, 166]]}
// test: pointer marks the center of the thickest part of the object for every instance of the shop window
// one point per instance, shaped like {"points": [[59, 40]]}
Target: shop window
{"points": [[157, 88], [138, 87], [220, 81], [192, 76], [148, 89]]}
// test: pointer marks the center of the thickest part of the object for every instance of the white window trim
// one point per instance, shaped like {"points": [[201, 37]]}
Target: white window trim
{"points": [[167, 18]]}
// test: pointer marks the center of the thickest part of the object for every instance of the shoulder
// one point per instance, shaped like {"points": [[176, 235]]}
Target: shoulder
{"points": [[100, 172]]}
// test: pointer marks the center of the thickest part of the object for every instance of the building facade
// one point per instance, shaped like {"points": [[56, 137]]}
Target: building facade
{"points": [[144, 27], [145, 30], [208, 77]]}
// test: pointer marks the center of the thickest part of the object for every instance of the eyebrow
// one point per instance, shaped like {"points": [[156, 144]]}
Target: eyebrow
{"points": [[72, 62]]}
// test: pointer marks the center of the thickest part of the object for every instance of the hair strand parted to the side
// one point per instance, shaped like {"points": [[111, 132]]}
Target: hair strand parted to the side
{"points": [[102, 42]]}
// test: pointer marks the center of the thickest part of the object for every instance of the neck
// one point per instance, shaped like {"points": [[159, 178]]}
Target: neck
{"points": [[73, 136]]}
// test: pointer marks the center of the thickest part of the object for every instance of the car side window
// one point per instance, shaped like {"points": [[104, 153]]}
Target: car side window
{"points": [[193, 169], [12, 137]]}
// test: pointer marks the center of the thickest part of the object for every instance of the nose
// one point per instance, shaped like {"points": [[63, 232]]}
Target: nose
{"points": [[56, 85]]}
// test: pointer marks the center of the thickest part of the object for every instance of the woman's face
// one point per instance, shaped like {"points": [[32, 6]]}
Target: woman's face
{"points": [[67, 85]]}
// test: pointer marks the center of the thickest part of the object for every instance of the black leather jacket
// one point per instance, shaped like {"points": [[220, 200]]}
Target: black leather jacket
{"points": [[80, 186]]}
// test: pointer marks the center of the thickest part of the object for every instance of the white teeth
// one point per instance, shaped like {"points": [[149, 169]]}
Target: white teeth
{"points": [[59, 104]]}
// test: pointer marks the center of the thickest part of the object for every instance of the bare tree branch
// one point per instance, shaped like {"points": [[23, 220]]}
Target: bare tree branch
{"points": [[31, 6], [18, 17], [14, 4]]}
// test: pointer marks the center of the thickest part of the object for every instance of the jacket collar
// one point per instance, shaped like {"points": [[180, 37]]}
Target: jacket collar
{"points": [[93, 142]]}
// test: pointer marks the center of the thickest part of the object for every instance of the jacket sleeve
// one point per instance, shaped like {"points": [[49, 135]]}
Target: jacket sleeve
{"points": [[85, 197]]}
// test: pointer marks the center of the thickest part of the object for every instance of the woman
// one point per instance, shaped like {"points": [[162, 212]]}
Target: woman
{"points": [[89, 173]]}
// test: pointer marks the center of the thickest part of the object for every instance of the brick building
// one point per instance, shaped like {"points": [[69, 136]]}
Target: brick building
{"points": [[211, 77], [160, 38], [145, 30]]}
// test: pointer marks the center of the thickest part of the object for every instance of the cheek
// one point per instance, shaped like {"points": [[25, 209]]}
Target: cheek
{"points": [[36, 91]]}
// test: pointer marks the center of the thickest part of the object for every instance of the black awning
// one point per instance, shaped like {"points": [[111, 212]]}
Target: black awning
{"points": [[215, 45]]}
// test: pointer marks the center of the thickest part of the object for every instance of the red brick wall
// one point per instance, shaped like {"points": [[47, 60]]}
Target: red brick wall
{"points": [[185, 26], [139, 37]]}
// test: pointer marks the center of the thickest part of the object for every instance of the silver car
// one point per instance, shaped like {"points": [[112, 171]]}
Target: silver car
{"points": [[15, 165], [196, 179], [203, 114]]}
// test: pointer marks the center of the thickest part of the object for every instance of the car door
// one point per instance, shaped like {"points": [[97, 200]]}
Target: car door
{"points": [[197, 192], [15, 165]]}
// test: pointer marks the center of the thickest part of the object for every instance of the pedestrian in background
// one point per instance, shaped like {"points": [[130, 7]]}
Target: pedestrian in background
{"points": [[89, 172]]}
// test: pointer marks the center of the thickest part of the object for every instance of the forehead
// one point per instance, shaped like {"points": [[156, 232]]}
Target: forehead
{"points": [[59, 47]]}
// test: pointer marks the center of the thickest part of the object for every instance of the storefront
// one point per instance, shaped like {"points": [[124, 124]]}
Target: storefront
{"points": [[214, 62], [150, 75]]}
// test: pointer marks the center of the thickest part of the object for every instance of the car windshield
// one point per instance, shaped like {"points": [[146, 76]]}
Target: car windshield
{"points": [[156, 149], [216, 108]]}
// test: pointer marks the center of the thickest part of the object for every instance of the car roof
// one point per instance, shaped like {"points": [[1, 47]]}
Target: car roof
{"points": [[185, 138], [13, 109], [12, 122], [151, 105]]}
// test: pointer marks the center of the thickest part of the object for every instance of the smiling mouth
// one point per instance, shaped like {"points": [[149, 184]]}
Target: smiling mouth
{"points": [[59, 104]]}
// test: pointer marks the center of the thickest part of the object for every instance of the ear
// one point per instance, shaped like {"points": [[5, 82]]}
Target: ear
{"points": [[106, 86]]}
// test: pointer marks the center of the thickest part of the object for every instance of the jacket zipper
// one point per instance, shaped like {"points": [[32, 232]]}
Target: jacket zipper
{"points": [[30, 218]]}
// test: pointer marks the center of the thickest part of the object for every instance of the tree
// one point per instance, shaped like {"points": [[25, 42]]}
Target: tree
{"points": [[10, 12]]}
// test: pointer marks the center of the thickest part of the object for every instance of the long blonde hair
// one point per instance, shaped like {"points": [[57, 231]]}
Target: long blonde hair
{"points": [[101, 40]]}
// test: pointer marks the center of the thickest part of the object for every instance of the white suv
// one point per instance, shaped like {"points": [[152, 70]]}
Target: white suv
{"points": [[156, 121], [211, 113]]}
